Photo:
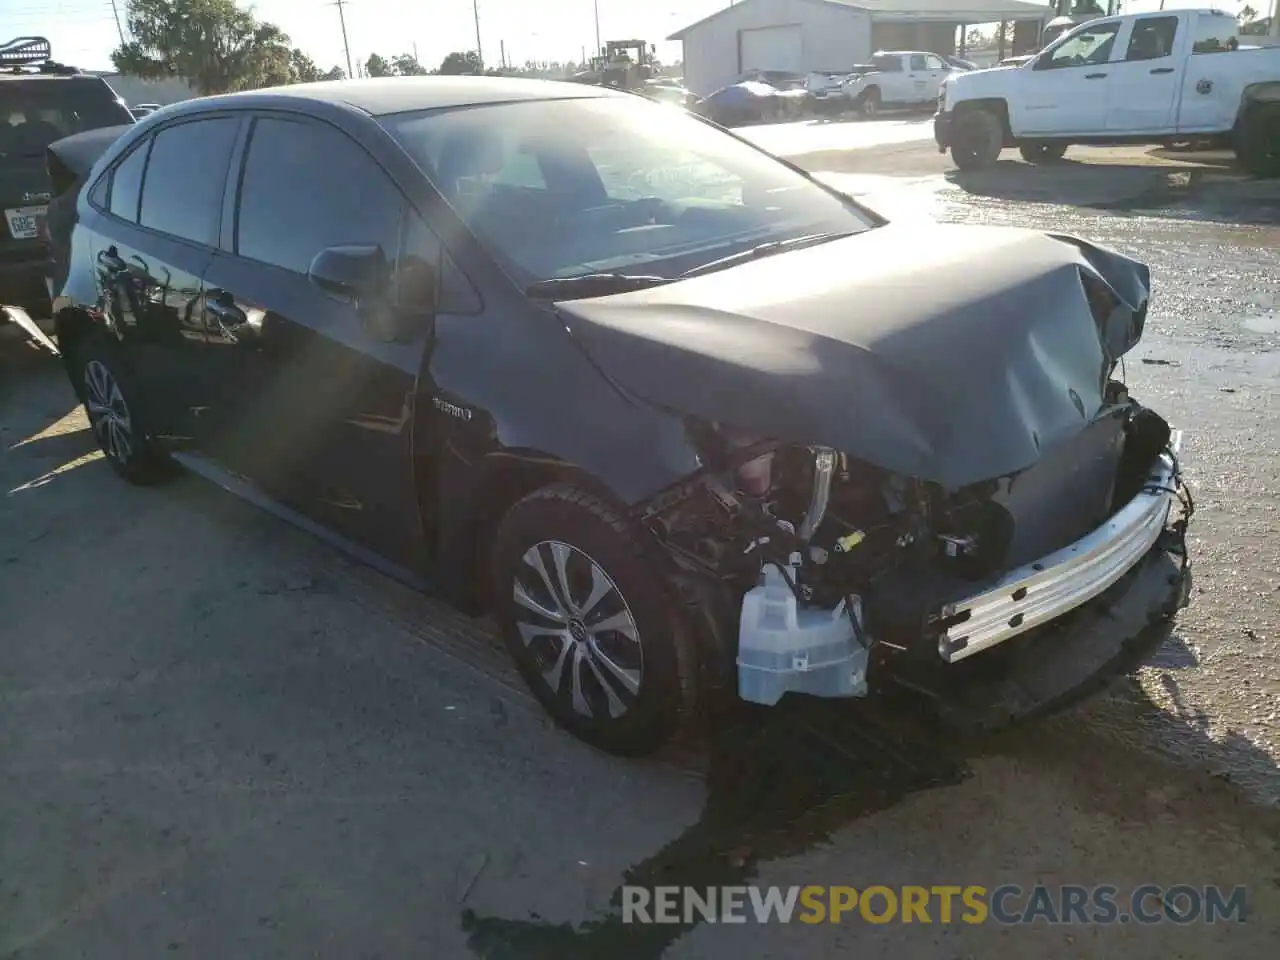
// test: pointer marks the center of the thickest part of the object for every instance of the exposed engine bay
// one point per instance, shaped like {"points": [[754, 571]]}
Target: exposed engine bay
{"points": [[792, 532]]}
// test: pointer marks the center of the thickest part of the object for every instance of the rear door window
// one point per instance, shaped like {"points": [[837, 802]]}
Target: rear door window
{"points": [[1152, 38], [126, 183], [36, 111], [186, 175], [307, 186], [887, 63]]}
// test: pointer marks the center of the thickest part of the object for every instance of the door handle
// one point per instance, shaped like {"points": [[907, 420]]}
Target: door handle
{"points": [[1094, 76], [223, 309], [111, 261], [1162, 69]]}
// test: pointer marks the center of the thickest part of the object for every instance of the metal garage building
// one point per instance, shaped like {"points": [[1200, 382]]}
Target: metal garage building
{"points": [[833, 35]]}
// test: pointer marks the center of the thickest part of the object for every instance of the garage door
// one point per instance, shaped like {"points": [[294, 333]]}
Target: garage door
{"points": [[773, 48]]}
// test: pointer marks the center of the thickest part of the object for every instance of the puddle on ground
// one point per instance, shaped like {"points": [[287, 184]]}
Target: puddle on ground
{"points": [[1263, 324], [779, 781]]}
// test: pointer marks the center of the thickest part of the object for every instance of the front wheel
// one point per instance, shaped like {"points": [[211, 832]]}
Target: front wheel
{"points": [[976, 139], [1042, 152], [589, 623], [115, 414]]}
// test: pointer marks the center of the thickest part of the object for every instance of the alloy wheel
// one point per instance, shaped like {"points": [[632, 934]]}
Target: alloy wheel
{"points": [[108, 413], [579, 630]]}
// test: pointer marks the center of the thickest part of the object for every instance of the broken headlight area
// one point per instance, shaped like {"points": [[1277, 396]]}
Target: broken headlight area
{"points": [[842, 573]]}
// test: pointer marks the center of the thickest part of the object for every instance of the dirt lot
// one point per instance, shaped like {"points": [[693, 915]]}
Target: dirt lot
{"points": [[220, 738]]}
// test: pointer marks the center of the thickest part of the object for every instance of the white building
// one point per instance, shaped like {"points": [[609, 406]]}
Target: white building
{"points": [[833, 35]]}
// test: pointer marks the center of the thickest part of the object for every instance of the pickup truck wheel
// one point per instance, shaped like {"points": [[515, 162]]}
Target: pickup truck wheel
{"points": [[1258, 140], [589, 622], [1042, 152], [976, 140], [869, 102]]}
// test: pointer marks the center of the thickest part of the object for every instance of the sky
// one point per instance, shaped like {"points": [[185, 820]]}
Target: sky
{"points": [[83, 32]]}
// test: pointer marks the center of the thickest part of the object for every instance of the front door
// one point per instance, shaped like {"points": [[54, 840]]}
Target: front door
{"points": [[938, 69], [312, 407], [923, 85], [163, 200], [1143, 87], [1064, 90]]}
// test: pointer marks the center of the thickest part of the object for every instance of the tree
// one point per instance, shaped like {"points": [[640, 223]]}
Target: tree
{"points": [[460, 63], [212, 44], [302, 69], [1247, 15], [334, 73], [975, 39], [377, 66], [407, 65]]}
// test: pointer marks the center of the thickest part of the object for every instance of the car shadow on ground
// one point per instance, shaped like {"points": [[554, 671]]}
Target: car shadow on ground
{"points": [[782, 781]]}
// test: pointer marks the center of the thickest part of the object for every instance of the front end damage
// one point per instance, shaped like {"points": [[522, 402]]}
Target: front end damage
{"points": [[835, 578], [918, 465]]}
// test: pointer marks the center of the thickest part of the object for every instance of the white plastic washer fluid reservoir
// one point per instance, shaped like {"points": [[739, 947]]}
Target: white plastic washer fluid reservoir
{"points": [[785, 647]]}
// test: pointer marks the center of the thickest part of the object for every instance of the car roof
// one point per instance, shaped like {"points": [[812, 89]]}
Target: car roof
{"points": [[385, 95]]}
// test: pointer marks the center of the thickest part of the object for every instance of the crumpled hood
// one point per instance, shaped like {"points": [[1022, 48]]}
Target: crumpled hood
{"points": [[952, 353]]}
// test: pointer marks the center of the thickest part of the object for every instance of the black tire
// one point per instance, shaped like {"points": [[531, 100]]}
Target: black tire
{"points": [[868, 103], [1040, 152], [120, 423], [976, 139], [657, 697], [1258, 140]]}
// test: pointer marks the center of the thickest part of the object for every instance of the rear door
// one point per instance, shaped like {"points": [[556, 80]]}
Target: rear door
{"points": [[1143, 86], [162, 203], [891, 78], [311, 406]]}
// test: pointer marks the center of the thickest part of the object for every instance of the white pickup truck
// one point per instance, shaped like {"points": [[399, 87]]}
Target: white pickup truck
{"points": [[1141, 78], [899, 78]]}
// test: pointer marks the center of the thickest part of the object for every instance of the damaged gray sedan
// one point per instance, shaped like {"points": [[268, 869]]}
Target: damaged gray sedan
{"points": [[689, 423]]}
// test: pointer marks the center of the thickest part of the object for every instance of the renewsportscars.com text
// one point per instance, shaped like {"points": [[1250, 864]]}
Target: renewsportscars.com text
{"points": [[1007, 904]]}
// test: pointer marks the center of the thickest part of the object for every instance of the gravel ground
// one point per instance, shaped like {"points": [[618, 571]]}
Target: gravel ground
{"points": [[220, 738]]}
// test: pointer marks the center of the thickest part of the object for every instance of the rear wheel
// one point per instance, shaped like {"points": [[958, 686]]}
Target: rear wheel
{"points": [[589, 623], [869, 102], [976, 139], [1041, 152], [1258, 140], [115, 414]]}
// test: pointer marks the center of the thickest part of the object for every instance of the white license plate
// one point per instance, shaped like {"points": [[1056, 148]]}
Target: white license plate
{"points": [[24, 222]]}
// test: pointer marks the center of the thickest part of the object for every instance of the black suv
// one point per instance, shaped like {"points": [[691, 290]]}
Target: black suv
{"points": [[40, 101]]}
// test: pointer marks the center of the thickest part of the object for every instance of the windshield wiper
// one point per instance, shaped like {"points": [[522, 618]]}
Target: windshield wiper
{"points": [[590, 285], [766, 249]]}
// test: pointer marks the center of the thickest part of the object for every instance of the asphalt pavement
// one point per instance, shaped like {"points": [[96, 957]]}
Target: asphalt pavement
{"points": [[220, 738]]}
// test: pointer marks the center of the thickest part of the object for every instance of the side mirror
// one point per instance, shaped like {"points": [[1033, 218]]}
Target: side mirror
{"points": [[393, 311], [358, 272]]}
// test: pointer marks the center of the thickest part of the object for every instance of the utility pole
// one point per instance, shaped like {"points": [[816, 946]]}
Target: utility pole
{"points": [[1274, 30], [342, 20], [119, 29], [502, 47], [597, 7], [475, 8]]}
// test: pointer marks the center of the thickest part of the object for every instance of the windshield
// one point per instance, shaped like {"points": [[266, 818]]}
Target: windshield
{"points": [[34, 113], [561, 188]]}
